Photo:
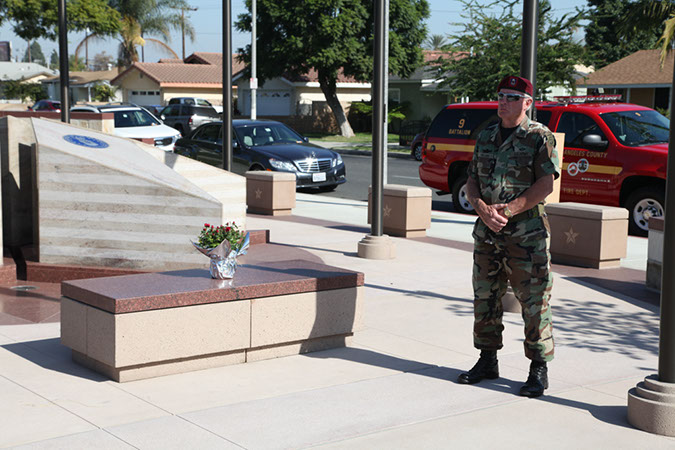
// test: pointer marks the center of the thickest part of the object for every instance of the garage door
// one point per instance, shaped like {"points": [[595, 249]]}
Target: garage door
{"points": [[269, 102], [144, 97]]}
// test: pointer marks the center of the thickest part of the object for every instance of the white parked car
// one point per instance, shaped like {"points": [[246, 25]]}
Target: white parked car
{"points": [[134, 122], [195, 101]]}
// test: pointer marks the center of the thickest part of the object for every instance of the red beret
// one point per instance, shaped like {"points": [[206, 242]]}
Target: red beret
{"points": [[517, 84]]}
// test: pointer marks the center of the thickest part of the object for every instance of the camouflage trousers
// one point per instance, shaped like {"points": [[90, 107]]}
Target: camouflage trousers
{"points": [[524, 261]]}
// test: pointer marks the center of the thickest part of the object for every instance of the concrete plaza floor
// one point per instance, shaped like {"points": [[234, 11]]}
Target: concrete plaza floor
{"points": [[393, 388]]}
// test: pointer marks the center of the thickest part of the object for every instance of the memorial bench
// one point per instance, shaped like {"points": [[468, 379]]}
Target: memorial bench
{"points": [[139, 326]]}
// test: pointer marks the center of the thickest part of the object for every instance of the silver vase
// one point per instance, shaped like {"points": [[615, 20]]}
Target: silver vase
{"points": [[224, 258]]}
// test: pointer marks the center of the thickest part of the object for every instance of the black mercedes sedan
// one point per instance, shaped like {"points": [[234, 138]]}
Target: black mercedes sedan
{"points": [[266, 145]]}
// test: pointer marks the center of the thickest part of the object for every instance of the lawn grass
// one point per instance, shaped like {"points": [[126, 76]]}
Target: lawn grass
{"points": [[365, 138]]}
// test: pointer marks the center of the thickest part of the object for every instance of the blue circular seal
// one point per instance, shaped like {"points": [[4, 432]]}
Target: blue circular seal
{"points": [[85, 141]]}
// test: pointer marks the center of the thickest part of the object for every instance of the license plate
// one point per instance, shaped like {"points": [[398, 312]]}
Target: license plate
{"points": [[316, 177]]}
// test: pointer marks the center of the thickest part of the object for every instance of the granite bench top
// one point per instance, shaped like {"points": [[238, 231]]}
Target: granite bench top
{"points": [[158, 290]]}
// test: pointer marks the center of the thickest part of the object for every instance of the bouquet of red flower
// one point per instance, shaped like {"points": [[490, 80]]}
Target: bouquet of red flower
{"points": [[211, 236], [223, 244]]}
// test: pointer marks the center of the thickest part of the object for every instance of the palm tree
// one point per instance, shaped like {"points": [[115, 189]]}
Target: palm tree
{"points": [[141, 17], [646, 14], [435, 41]]}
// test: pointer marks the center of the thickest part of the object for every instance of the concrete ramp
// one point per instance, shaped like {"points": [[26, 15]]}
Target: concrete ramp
{"points": [[108, 201]]}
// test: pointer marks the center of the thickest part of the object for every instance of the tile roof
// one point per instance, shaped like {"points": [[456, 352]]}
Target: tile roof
{"points": [[77, 78], [313, 76], [215, 59], [18, 70], [200, 69], [638, 69]]}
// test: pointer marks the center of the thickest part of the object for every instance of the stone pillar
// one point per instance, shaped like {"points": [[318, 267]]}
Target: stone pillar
{"points": [[406, 211], [587, 235], [270, 193]]}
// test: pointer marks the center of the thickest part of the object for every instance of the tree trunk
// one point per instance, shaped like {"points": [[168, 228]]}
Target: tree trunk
{"points": [[329, 89]]}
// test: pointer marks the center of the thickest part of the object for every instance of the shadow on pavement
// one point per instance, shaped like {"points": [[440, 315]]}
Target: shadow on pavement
{"points": [[51, 355]]}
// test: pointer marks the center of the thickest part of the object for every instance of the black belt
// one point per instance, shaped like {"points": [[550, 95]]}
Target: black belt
{"points": [[531, 213]]}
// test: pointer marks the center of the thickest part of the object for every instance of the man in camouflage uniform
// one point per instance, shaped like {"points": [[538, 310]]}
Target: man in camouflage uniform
{"points": [[512, 171]]}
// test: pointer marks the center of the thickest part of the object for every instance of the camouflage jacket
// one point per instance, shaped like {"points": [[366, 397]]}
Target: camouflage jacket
{"points": [[504, 170]]}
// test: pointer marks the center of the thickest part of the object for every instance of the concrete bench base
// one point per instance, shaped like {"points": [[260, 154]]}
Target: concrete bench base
{"points": [[588, 235], [140, 326]]}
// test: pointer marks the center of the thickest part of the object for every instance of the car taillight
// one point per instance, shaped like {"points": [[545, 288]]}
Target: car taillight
{"points": [[190, 121]]}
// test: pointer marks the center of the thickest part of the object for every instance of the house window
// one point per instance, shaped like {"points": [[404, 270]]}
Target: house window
{"points": [[394, 95], [134, 92]]}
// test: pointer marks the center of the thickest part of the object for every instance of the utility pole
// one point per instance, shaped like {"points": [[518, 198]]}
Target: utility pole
{"points": [[254, 70], [182, 23]]}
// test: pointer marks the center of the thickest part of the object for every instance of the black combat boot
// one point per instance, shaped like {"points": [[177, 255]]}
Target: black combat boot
{"points": [[486, 367], [537, 381]]}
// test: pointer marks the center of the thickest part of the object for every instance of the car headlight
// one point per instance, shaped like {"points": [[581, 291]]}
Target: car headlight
{"points": [[337, 161], [282, 165]]}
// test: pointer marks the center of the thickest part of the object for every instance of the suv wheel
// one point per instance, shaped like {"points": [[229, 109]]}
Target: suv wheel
{"points": [[643, 204], [417, 151], [459, 199], [180, 130]]}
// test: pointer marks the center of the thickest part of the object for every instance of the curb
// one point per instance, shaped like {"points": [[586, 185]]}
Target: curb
{"points": [[346, 151]]}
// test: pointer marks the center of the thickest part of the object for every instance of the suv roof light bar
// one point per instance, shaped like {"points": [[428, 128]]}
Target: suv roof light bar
{"points": [[588, 98]]}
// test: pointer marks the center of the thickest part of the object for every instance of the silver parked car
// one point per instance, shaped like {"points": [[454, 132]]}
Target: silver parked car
{"points": [[186, 118]]}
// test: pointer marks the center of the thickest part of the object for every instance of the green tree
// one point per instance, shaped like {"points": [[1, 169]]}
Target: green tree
{"points": [[144, 17], [33, 19], [103, 92], [492, 45], [605, 41], [331, 36], [54, 59], [654, 16], [17, 89], [75, 64], [34, 53]]}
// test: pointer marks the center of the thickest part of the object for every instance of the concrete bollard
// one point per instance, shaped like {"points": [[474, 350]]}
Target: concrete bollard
{"points": [[588, 235], [407, 210], [270, 193]]}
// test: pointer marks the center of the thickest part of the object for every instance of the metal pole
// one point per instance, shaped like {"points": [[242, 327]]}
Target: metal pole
{"points": [[227, 85], [378, 117], [528, 50], [667, 327], [63, 62], [385, 124], [254, 71]]}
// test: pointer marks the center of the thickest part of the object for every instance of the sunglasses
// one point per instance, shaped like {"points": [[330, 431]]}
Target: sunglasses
{"points": [[511, 97]]}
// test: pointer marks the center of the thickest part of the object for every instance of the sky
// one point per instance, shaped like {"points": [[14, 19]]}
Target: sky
{"points": [[207, 23]]}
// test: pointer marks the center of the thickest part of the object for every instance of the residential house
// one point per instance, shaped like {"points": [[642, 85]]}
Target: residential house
{"points": [[638, 77], [297, 95], [81, 84], [200, 75], [420, 92], [580, 72], [24, 72]]}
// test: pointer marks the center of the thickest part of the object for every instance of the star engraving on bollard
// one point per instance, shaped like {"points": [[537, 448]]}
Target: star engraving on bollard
{"points": [[571, 236], [258, 193], [387, 211]]}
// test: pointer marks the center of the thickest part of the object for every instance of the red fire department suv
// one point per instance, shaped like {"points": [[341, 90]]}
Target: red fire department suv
{"points": [[615, 153]]}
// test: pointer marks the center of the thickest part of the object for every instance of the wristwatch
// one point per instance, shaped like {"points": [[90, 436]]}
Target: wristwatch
{"points": [[507, 212]]}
